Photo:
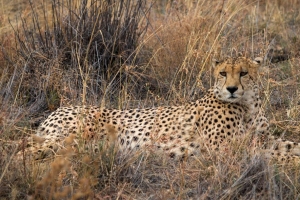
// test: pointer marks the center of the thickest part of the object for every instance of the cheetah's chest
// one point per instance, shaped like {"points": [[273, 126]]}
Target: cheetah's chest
{"points": [[221, 121]]}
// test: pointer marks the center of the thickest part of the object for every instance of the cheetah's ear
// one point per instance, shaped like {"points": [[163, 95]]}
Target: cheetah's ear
{"points": [[258, 60], [215, 62]]}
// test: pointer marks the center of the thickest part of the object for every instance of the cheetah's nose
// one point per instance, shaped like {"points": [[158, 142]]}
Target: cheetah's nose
{"points": [[232, 89]]}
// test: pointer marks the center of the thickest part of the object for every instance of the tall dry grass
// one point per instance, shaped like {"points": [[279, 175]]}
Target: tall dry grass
{"points": [[92, 52]]}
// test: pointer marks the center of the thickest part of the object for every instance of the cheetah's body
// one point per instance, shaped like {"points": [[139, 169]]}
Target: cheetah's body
{"points": [[231, 108], [167, 128]]}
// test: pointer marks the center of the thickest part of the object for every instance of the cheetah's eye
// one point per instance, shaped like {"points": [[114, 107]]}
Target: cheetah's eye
{"points": [[223, 74], [243, 73]]}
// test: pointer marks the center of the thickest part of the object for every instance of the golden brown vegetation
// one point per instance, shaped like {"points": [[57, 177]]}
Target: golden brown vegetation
{"points": [[79, 52]]}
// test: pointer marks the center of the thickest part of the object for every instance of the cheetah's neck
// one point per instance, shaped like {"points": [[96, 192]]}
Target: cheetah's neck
{"points": [[252, 101]]}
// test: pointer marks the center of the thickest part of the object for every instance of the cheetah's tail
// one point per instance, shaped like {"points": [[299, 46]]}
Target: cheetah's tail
{"points": [[283, 151], [285, 146]]}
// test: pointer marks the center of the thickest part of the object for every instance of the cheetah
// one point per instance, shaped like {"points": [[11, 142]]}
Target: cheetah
{"points": [[232, 107]]}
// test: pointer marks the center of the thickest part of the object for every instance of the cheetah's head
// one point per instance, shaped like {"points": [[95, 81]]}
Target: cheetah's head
{"points": [[236, 79]]}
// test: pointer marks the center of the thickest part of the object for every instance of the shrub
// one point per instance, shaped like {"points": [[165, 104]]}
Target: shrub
{"points": [[74, 50]]}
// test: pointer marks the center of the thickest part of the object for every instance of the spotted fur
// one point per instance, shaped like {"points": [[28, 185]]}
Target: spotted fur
{"points": [[230, 109]]}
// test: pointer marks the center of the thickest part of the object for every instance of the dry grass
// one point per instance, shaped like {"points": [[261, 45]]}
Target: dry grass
{"points": [[167, 64]]}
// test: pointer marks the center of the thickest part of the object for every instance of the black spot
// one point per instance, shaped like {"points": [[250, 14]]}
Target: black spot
{"points": [[172, 155], [135, 138]]}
